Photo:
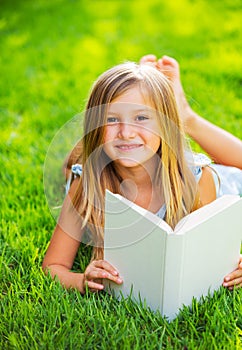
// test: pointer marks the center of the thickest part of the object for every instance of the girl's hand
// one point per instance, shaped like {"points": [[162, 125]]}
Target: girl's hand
{"points": [[234, 279], [98, 270]]}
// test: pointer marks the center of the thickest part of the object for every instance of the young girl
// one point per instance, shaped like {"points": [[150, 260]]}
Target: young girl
{"points": [[133, 144]]}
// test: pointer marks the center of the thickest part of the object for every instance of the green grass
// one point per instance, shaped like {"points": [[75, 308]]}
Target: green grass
{"points": [[51, 51]]}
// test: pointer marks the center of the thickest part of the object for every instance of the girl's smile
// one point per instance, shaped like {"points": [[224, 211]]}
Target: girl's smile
{"points": [[128, 146], [131, 137]]}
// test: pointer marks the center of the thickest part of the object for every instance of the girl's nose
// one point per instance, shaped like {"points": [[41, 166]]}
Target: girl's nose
{"points": [[127, 131]]}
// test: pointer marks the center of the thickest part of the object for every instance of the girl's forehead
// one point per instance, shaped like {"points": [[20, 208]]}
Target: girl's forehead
{"points": [[134, 97], [129, 108]]}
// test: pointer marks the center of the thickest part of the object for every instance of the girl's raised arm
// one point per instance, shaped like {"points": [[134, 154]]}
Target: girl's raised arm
{"points": [[222, 147]]}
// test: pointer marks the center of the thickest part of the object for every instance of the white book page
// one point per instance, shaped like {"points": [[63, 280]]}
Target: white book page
{"points": [[188, 222], [146, 213], [205, 213], [211, 251]]}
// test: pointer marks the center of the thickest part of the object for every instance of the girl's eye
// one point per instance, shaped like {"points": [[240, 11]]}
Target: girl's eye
{"points": [[111, 120], [141, 117]]}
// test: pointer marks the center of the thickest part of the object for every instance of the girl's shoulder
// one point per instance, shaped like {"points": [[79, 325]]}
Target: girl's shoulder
{"points": [[200, 161], [196, 162]]}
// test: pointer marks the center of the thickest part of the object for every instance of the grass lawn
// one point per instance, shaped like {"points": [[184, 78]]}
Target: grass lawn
{"points": [[51, 52]]}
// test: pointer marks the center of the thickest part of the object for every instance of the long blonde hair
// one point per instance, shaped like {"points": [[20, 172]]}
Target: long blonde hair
{"points": [[173, 174]]}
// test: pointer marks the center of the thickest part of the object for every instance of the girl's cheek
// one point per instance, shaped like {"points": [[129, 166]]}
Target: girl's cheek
{"points": [[110, 133], [106, 134]]}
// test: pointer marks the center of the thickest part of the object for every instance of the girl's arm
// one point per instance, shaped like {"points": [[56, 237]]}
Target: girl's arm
{"points": [[223, 147], [59, 259], [62, 251]]}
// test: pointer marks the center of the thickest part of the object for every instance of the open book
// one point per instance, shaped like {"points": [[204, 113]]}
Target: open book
{"points": [[169, 267]]}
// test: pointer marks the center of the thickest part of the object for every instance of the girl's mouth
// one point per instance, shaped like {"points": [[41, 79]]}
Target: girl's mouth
{"points": [[128, 147]]}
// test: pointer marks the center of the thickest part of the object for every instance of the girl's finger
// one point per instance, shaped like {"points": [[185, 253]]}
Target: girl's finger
{"points": [[94, 286], [235, 286], [102, 274], [96, 273], [103, 264], [235, 274], [229, 282]]}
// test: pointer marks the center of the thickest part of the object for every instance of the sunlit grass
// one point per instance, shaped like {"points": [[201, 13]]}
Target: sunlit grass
{"points": [[51, 52]]}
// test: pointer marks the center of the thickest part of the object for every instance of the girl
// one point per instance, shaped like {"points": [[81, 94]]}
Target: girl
{"points": [[134, 144]]}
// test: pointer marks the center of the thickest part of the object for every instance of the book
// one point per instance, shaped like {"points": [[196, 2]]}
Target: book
{"points": [[167, 268]]}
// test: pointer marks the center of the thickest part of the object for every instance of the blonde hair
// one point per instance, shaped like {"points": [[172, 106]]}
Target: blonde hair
{"points": [[173, 174]]}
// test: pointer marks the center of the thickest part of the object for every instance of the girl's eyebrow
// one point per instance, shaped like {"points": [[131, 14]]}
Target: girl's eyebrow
{"points": [[113, 113], [144, 110], [133, 111]]}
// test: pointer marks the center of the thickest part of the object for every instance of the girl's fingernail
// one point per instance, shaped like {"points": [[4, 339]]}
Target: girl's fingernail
{"points": [[227, 279]]}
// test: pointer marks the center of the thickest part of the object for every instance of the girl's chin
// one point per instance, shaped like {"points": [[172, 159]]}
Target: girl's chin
{"points": [[128, 163]]}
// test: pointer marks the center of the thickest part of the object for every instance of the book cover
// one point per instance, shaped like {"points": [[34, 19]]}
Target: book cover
{"points": [[167, 267]]}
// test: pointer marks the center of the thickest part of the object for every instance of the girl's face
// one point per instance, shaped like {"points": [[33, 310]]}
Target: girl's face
{"points": [[131, 136]]}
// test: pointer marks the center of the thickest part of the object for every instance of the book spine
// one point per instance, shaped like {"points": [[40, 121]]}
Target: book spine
{"points": [[173, 271]]}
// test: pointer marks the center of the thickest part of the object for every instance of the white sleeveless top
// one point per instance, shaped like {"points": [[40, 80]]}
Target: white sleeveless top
{"points": [[228, 180]]}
